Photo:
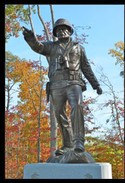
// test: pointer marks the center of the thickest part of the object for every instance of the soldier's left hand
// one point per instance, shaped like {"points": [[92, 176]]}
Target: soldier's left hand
{"points": [[99, 90]]}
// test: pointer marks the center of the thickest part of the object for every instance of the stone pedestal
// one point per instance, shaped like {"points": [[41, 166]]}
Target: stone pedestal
{"points": [[68, 171]]}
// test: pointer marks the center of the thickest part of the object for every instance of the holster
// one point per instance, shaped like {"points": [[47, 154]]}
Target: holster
{"points": [[47, 90], [84, 88]]}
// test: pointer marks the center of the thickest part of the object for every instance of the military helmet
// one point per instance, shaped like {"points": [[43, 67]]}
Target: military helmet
{"points": [[59, 22]]}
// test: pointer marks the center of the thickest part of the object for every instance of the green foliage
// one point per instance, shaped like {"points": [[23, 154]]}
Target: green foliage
{"points": [[14, 15], [107, 151]]}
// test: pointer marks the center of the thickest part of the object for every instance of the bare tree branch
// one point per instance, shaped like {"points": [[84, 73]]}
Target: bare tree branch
{"points": [[105, 80], [43, 23], [52, 17], [31, 22]]}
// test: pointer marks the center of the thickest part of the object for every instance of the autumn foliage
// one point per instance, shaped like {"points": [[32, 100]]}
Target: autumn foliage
{"points": [[22, 129], [27, 124], [23, 132]]}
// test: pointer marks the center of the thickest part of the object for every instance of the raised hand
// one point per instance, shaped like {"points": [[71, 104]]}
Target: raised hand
{"points": [[27, 33]]}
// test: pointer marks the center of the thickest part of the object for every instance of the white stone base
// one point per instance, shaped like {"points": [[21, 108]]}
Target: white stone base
{"points": [[68, 171]]}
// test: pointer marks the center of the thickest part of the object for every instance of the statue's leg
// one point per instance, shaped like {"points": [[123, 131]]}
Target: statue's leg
{"points": [[77, 118], [59, 102]]}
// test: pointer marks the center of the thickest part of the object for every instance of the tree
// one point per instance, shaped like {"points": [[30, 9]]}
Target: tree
{"points": [[118, 53], [30, 116], [9, 85], [14, 14], [22, 128], [104, 150], [116, 109], [111, 148]]}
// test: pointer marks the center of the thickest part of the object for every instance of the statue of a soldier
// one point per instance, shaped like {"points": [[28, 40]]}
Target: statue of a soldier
{"points": [[67, 65]]}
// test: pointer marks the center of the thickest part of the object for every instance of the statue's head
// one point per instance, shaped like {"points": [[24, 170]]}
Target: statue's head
{"points": [[62, 28]]}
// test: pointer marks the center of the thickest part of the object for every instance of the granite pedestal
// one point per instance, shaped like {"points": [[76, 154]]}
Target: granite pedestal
{"points": [[68, 171]]}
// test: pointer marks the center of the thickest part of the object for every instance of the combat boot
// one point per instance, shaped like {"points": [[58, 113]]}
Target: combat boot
{"points": [[78, 128], [63, 150]]}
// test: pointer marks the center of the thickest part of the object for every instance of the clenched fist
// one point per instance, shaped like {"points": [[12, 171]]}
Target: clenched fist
{"points": [[99, 90]]}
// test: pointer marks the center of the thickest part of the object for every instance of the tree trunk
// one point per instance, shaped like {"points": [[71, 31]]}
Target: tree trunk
{"points": [[53, 131]]}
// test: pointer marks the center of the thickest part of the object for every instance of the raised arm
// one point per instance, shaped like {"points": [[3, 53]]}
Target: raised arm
{"points": [[32, 41]]}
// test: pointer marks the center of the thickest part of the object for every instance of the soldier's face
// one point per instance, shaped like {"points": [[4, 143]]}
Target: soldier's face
{"points": [[62, 32]]}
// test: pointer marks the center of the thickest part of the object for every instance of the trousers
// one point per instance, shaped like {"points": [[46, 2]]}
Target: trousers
{"points": [[72, 129]]}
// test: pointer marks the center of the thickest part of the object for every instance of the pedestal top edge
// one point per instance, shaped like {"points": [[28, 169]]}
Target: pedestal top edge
{"points": [[69, 164]]}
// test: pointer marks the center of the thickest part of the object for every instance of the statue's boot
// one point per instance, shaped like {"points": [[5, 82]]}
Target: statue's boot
{"points": [[78, 144], [77, 119], [62, 150], [67, 139]]}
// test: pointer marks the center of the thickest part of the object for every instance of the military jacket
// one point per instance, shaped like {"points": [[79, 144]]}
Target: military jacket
{"points": [[65, 63]]}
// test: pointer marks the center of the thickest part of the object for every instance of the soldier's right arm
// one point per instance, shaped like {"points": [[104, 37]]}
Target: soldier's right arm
{"points": [[34, 43]]}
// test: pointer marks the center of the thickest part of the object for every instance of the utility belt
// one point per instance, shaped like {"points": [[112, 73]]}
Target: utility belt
{"points": [[66, 75]]}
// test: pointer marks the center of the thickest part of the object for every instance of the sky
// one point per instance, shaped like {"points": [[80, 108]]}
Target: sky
{"points": [[107, 28]]}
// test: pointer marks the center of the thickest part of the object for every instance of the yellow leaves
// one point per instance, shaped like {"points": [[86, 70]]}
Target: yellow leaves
{"points": [[118, 52], [30, 83], [107, 152], [32, 107], [119, 45]]}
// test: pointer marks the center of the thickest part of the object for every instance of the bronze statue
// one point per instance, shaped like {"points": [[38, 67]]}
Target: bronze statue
{"points": [[67, 65]]}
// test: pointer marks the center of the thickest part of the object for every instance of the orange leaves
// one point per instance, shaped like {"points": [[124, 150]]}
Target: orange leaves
{"points": [[13, 15], [23, 130], [28, 74], [106, 151]]}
